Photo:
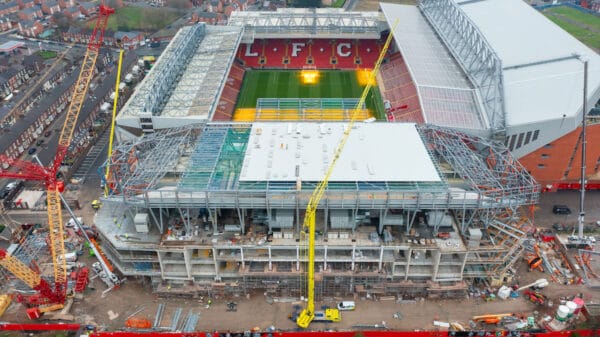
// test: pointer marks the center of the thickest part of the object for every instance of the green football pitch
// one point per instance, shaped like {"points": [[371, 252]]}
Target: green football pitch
{"points": [[288, 84]]}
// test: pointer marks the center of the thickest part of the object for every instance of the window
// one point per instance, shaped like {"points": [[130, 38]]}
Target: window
{"points": [[520, 141], [146, 120], [527, 138], [536, 133], [512, 142], [541, 166], [545, 155], [548, 146]]}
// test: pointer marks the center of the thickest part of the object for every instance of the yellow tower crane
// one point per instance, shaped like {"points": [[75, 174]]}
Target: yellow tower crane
{"points": [[332, 315]]}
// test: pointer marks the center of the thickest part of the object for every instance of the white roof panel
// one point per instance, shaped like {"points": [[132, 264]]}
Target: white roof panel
{"points": [[447, 97], [521, 35], [392, 152]]}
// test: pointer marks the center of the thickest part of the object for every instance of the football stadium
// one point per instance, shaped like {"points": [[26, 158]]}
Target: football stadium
{"points": [[222, 144]]}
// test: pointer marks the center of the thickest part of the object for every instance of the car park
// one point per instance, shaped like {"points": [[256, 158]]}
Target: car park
{"points": [[561, 209]]}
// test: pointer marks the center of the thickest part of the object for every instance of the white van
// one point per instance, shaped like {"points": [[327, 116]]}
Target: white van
{"points": [[346, 305]]}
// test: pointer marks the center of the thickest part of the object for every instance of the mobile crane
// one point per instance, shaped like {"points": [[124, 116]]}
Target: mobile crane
{"points": [[308, 314], [54, 297]]}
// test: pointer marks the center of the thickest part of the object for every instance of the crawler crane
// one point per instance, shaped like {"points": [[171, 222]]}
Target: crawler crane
{"points": [[308, 314], [54, 297]]}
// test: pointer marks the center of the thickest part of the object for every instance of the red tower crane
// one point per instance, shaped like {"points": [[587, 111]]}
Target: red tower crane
{"points": [[20, 169]]}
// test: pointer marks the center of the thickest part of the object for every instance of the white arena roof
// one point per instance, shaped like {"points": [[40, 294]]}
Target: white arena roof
{"points": [[542, 80], [390, 152], [447, 97]]}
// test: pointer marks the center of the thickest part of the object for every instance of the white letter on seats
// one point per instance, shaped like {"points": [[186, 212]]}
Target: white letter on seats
{"points": [[344, 45], [296, 48], [249, 50]]}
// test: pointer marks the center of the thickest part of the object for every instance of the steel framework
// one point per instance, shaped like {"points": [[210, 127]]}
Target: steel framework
{"points": [[475, 55], [324, 23], [489, 168], [137, 165], [181, 83]]}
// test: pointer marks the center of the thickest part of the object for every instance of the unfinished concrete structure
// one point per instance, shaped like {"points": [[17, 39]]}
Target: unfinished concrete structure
{"points": [[200, 207], [216, 208]]}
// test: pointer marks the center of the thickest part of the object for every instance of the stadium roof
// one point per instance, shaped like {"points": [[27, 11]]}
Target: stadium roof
{"points": [[542, 78], [288, 151], [188, 76], [447, 97], [308, 22], [542, 72]]}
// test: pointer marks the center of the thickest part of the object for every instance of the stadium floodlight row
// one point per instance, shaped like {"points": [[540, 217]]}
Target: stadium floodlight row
{"points": [[216, 207]]}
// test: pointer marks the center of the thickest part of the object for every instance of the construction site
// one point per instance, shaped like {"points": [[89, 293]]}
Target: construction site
{"points": [[412, 192]]}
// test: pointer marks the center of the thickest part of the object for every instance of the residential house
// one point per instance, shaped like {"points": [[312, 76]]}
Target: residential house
{"points": [[31, 28], [12, 78], [83, 35], [88, 8], [210, 18], [33, 63], [129, 40], [5, 24], [25, 4], [66, 3], [30, 13], [8, 7], [72, 13], [50, 7]]}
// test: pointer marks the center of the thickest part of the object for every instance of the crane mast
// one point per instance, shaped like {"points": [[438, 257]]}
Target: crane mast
{"points": [[308, 314], [29, 171]]}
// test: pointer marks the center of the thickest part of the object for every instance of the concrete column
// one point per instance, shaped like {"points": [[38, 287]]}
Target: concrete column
{"points": [[325, 258], [187, 258], [217, 276], [436, 256], [380, 258], [408, 260], [242, 257], [270, 261], [297, 258], [353, 256], [241, 217], [462, 267]]}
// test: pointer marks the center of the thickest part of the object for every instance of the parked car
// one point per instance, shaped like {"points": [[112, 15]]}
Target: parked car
{"points": [[39, 142], [559, 227], [32, 150], [48, 133], [346, 305], [561, 209]]}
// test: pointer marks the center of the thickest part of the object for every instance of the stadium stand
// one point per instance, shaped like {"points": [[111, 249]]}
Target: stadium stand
{"points": [[229, 95], [321, 53], [399, 91]]}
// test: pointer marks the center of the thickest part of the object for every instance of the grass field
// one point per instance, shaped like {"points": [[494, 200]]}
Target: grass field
{"points": [[140, 18], [287, 84], [583, 26]]}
